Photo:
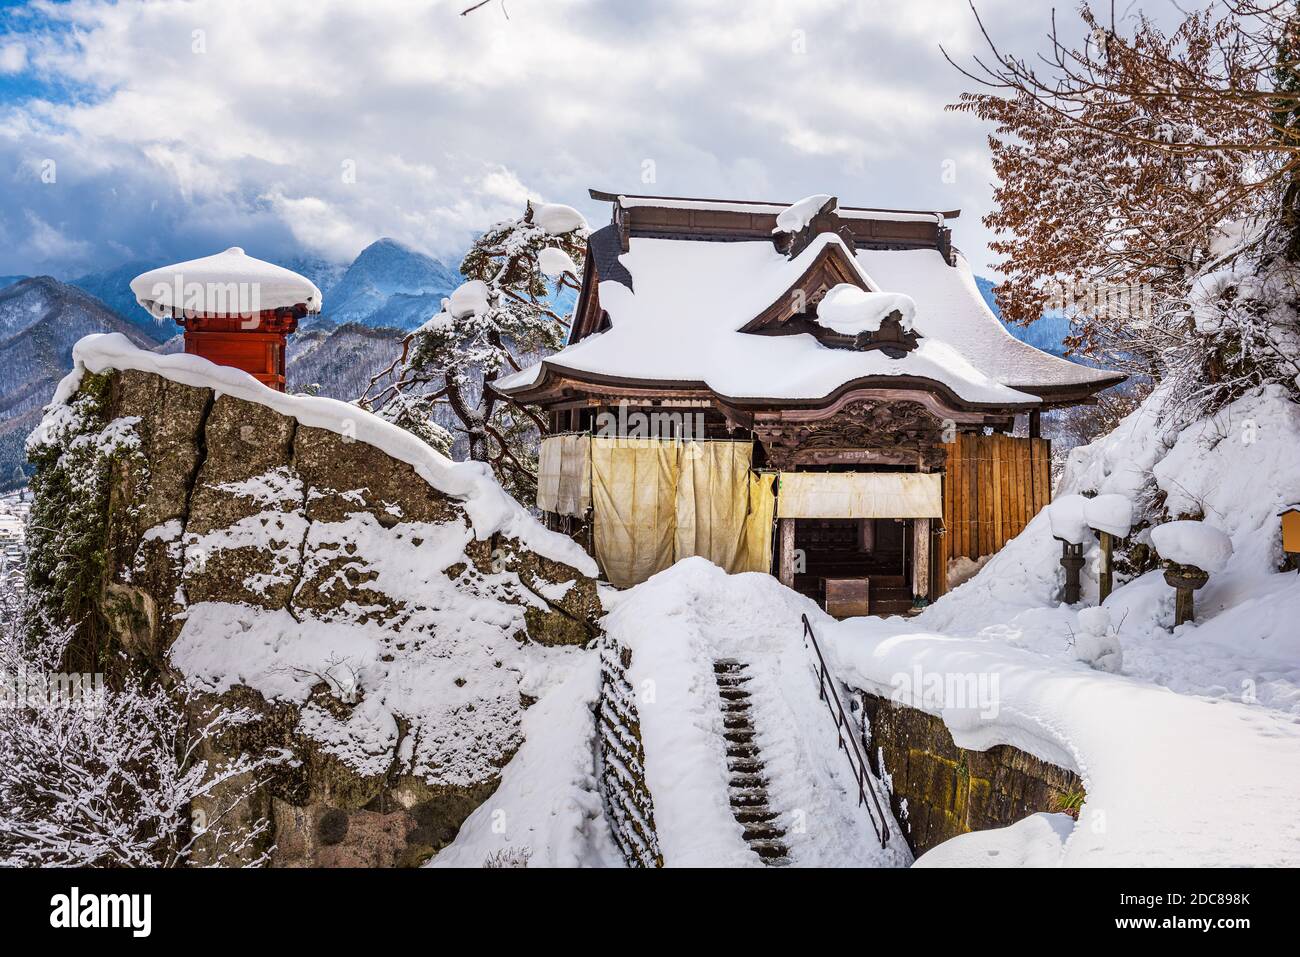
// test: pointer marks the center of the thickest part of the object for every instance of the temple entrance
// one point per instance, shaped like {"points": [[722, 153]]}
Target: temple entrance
{"points": [[847, 549]]}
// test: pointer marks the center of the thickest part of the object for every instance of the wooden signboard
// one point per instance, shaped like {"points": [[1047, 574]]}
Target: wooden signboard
{"points": [[1291, 531], [847, 597]]}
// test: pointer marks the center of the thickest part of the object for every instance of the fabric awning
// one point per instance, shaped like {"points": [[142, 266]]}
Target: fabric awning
{"points": [[860, 495]]}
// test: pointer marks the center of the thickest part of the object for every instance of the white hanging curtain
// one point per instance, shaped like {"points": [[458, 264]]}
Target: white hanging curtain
{"points": [[860, 495], [564, 474]]}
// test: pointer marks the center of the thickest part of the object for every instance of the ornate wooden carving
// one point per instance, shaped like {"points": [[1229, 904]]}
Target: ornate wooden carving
{"points": [[824, 220], [891, 338], [830, 268], [863, 431]]}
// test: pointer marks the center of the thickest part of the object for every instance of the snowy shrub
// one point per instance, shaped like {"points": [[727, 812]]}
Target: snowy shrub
{"points": [[508, 857], [107, 777], [1237, 327], [1096, 642], [408, 412], [73, 448]]}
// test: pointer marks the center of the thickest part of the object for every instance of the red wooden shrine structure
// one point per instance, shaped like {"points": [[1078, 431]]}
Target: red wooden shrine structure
{"points": [[236, 311]]}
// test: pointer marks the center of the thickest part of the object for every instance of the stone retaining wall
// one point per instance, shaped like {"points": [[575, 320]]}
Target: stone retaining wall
{"points": [[622, 760], [938, 790]]}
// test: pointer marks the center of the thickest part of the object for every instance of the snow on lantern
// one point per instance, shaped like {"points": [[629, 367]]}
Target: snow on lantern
{"points": [[236, 310], [1194, 551], [1070, 528]]}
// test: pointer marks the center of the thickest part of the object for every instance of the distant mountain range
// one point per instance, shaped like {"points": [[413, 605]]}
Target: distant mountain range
{"points": [[388, 285], [1047, 333], [40, 321], [370, 304]]}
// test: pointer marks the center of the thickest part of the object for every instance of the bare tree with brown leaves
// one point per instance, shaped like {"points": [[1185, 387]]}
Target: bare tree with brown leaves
{"points": [[1138, 159]]}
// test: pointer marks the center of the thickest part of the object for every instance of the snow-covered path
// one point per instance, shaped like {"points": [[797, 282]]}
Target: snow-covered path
{"points": [[1244, 646], [1171, 779]]}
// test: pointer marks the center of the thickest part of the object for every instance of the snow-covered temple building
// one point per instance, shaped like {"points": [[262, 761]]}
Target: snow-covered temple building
{"points": [[816, 391]]}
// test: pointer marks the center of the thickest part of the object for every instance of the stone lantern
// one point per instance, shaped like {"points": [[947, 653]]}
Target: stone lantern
{"points": [[1193, 550], [1111, 517], [236, 311], [1070, 528]]}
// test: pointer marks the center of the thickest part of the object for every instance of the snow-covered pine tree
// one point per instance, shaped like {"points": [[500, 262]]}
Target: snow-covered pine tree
{"points": [[500, 319]]}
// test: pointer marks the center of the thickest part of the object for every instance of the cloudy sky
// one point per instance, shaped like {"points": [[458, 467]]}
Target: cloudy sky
{"points": [[175, 128]]}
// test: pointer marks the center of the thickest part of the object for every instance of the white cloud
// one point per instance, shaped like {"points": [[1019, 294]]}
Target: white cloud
{"points": [[13, 57], [47, 243], [451, 122], [319, 226]]}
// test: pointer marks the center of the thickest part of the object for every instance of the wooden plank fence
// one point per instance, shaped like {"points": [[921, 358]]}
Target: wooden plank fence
{"points": [[993, 485]]}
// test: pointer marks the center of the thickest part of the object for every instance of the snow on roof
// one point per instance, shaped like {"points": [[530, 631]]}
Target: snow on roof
{"points": [[949, 307], [844, 212], [798, 215], [691, 299], [489, 508], [849, 310], [202, 285]]}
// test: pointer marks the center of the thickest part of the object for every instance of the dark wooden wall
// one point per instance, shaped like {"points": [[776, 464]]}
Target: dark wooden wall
{"points": [[993, 485]]}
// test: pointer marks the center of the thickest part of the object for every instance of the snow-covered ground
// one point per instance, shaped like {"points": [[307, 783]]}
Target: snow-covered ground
{"points": [[547, 811], [678, 624], [1189, 756], [1237, 469], [1199, 777], [1171, 779]]}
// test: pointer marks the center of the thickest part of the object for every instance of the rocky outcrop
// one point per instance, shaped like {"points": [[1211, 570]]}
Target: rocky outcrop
{"points": [[329, 592], [938, 790]]}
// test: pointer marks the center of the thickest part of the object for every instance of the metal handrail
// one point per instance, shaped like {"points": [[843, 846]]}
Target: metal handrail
{"points": [[861, 771]]}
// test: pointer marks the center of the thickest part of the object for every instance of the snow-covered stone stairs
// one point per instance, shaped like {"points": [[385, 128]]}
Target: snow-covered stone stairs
{"points": [[747, 778]]}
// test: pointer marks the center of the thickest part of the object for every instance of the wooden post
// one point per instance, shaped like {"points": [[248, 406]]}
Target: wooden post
{"points": [[1035, 424], [920, 562], [1107, 577], [786, 573]]}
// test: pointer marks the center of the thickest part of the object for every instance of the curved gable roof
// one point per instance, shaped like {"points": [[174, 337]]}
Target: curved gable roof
{"points": [[683, 323]]}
